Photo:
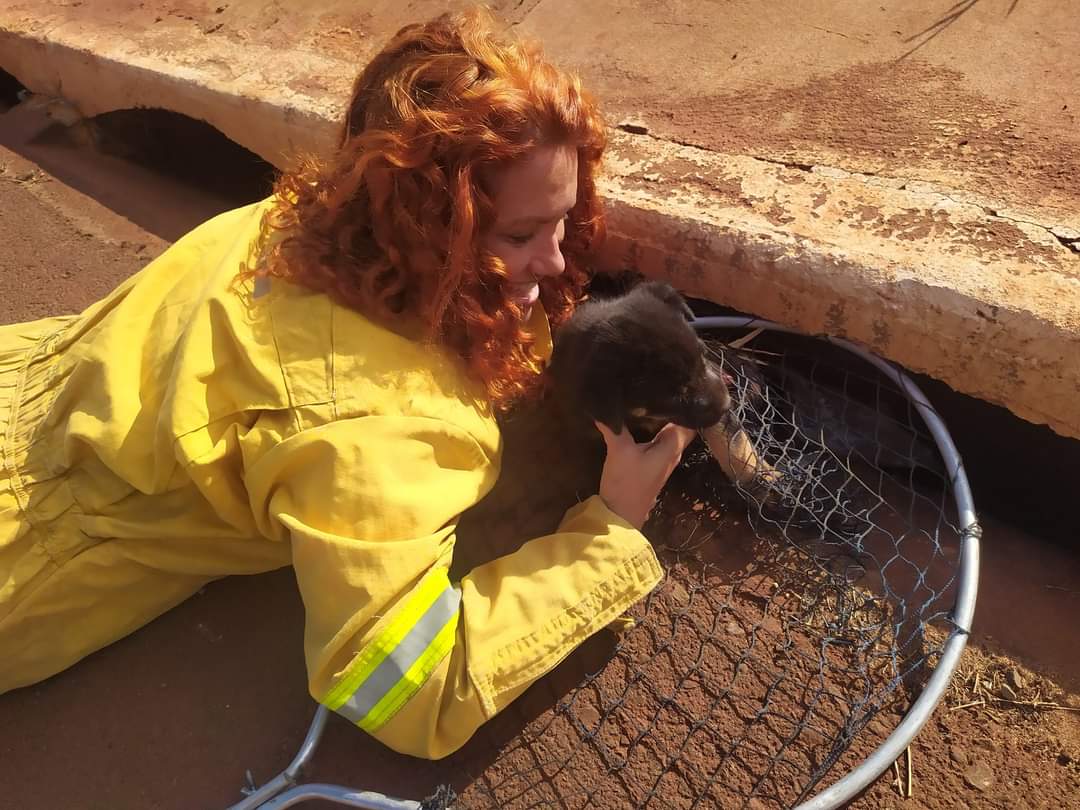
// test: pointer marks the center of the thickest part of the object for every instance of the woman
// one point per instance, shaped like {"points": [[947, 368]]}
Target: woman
{"points": [[312, 380]]}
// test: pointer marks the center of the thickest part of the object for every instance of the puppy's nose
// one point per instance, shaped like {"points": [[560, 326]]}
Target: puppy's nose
{"points": [[709, 409]]}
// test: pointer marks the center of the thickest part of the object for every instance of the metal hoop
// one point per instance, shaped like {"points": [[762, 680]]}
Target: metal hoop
{"points": [[283, 791], [847, 787]]}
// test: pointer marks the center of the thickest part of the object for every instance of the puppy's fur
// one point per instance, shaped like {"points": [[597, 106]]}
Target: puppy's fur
{"points": [[635, 361], [630, 361]]}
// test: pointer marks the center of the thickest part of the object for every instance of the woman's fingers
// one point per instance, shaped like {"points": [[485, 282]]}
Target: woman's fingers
{"points": [[634, 474], [674, 436], [605, 431], [615, 441], [671, 439]]}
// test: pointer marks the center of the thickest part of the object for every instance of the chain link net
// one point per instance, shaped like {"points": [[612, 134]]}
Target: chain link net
{"points": [[793, 627]]}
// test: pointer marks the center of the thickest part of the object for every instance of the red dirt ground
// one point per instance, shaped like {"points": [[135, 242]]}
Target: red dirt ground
{"points": [[174, 715]]}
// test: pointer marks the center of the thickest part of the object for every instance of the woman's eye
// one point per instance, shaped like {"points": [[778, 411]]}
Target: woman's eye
{"points": [[525, 238]]}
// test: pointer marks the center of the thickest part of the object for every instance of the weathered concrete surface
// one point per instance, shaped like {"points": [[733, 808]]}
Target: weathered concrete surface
{"points": [[941, 284], [976, 95], [917, 207]]}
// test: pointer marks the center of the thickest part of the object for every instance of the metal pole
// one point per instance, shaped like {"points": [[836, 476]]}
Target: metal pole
{"points": [[339, 795], [288, 777]]}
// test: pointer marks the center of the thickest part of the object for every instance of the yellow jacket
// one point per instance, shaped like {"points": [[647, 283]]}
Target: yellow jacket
{"points": [[237, 430]]}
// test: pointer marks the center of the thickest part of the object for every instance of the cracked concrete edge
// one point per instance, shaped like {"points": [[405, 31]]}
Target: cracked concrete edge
{"points": [[999, 355], [984, 303], [955, 286]]}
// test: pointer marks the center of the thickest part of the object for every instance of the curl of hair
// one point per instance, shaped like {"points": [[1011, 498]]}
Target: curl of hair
{"points": [[391, 224]]}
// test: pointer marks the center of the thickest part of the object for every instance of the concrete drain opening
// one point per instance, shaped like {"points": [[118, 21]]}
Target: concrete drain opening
{"points": [[184, 149], [10, 90], [163, 171]]}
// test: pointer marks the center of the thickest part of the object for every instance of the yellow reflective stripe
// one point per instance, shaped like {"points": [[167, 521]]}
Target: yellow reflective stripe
{"points": [[395, 667], [388, 639], [413, 679]]}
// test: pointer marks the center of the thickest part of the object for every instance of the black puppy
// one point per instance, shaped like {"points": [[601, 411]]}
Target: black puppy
{"points": [[632, 362], [635, 361]]}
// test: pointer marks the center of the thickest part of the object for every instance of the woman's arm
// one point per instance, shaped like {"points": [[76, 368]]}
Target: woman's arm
{"points": [[370, 506]]}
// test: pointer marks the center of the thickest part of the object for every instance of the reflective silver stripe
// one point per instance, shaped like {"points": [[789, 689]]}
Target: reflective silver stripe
{"points": [[398, 662]]}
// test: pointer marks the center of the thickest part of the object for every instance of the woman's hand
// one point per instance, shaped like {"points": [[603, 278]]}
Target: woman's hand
{"points": [[635, 473]]}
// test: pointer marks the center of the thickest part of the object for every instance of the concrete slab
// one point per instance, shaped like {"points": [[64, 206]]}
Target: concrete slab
{"points": [[912, 191]]}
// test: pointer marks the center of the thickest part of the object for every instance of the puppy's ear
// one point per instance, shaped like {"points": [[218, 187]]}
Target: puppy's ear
{"points": [[603, 391], [611, 410], [670, 296]]}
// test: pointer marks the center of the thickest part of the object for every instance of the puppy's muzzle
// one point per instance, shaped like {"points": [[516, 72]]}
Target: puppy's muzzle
{"points": [[707, 405]]}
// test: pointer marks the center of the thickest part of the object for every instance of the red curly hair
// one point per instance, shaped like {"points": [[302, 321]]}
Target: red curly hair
{"points": [[391, 223]]}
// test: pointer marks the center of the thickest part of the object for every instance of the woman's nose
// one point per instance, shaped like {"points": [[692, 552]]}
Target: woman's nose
{"points": [[548, 259]]}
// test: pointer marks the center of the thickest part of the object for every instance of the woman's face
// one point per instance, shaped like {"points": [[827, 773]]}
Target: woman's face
{"points": [[532, 198]]}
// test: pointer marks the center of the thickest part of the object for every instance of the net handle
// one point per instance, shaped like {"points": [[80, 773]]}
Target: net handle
{"points": [[879, 760]]}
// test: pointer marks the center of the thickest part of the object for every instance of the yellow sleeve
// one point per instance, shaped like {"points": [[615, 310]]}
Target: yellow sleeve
{"points": [[370, 506]]}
